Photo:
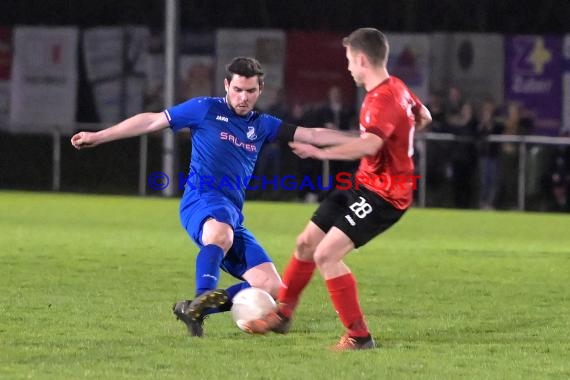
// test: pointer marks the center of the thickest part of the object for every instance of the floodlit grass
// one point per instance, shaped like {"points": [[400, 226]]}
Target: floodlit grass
{"points": [[87, 283]]}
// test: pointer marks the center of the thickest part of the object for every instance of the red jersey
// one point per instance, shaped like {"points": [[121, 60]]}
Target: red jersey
{"points": [[388, 112]]}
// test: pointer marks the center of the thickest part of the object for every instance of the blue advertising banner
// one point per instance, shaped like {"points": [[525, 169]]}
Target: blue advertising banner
{"points": [[566, 84], [533, 78]]}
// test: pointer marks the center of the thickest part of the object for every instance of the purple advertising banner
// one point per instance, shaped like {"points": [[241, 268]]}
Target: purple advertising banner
{"points": [[566, 85], [533, 78]]}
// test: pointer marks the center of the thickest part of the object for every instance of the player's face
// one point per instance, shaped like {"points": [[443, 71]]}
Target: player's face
{"points": [[354, 66], [242, 93]]}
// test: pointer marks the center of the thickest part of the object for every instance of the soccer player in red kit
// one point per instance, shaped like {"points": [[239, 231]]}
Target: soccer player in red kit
{"points": [[347, 219]]}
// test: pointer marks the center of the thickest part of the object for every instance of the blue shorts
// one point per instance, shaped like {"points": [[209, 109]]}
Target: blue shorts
{"points": [[245, 252]]}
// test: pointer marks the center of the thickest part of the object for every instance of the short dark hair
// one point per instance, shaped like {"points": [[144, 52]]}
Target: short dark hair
{"points": [[372, 42], [246, 67]]}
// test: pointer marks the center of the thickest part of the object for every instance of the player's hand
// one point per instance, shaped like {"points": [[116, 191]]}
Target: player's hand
{"points": [[305, 150], [84, 140]]}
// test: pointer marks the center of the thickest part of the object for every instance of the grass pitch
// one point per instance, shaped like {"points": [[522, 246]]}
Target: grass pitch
{"points": [[87, 283]]}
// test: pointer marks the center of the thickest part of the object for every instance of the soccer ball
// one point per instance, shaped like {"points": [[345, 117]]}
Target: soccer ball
{"points": [[250, 304]]}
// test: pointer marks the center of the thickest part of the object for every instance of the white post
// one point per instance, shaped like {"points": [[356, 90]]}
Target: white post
{"points": [[170, 55], [522, 176], [56, 160], [143, 155]]}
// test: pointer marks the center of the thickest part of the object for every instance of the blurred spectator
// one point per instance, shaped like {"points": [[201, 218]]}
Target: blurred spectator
{"points": [[309, 168], [557, 184], [436, 108], [453, 107], [464, 155], [488, 154], [438, 164], [337, 115], [269, 161], [517, 122], [462, 122]]}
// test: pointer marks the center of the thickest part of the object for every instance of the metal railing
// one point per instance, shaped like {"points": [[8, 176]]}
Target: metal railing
{"points": [[522, 141], [421, 140]]}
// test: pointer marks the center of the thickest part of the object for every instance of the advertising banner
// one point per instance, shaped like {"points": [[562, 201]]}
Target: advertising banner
{"points": [[115, 62], [472, 62], [409, 61], [44, 78], [533, 78], [316, 61]]}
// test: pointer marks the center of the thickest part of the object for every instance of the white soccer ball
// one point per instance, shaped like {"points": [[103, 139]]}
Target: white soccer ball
{"points": [[251, 303]]}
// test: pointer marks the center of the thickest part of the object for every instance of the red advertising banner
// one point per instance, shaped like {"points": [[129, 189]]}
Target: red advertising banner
{"points": [[315, 62], [5, 53]]}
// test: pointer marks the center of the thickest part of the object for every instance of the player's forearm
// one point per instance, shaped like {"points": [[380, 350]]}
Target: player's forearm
{"points": [[352, 150], [328, 137], [137, 125]]}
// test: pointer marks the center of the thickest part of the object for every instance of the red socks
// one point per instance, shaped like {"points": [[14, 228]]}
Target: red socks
{"points": [[342, 291], [296, 277], [344, 297]]}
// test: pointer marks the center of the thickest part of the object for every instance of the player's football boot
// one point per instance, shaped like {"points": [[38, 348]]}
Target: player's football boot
{"points": [[348, 343], [211, 298], [195, 326], [274, 321]]}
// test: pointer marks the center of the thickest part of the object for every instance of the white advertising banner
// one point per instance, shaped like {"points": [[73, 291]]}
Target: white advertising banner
{"points": [[115, 62], [44, 78], [267, 46], [409, 61], [473, 62]]}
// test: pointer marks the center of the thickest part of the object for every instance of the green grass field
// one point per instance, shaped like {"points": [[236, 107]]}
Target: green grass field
{"points": [[87, 283]]}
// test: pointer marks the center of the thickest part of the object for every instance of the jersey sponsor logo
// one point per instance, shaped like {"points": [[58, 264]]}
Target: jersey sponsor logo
{"points": [[251, 133], [225, 136], [222, 118]]}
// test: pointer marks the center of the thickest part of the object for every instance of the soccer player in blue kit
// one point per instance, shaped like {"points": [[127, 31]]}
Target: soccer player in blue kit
{"points": [[227, 135]]}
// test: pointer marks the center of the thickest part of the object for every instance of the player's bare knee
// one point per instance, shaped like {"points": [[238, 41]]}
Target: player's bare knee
{"points": [[305, 248], [224, 241], [270, 285], [322, 259], [273, 288]]}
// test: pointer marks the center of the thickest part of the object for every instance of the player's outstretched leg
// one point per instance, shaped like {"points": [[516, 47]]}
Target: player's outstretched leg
{"points": [[296, 277], [195, 326]]}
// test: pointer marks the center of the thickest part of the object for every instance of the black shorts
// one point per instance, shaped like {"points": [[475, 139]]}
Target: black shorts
{"points": [[360, 214]]}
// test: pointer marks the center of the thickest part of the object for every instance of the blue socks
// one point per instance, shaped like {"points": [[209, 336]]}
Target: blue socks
{"points": [[234, 289], [208, 274], [208, 268]]}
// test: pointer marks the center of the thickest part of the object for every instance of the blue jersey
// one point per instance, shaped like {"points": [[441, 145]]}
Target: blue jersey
{"points": [[225, 145]]}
